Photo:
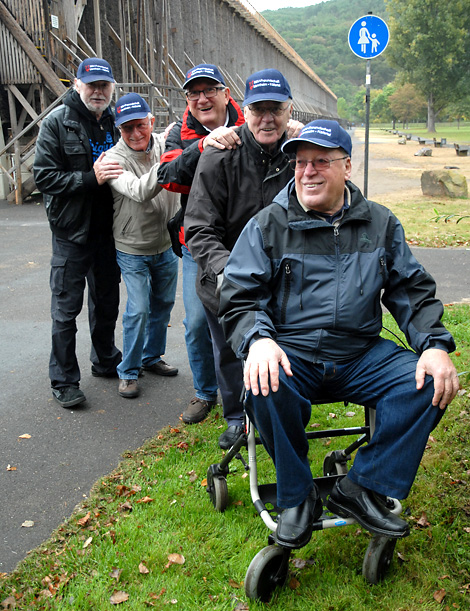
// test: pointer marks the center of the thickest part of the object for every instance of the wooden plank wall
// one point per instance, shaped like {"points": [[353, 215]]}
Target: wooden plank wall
{"points": [[15, 66]]}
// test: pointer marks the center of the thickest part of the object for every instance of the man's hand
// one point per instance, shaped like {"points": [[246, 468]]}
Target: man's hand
{"points": [[293, 128], [105, 169], [262, 366], [437, 364], [222, 138]]}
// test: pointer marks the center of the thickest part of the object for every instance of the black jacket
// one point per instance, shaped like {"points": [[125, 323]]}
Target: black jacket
{"points": [[229, 188], [69, 141]]}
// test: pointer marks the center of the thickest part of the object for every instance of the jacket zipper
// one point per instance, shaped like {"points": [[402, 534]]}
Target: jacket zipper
{"points": [[285, 299], [123, 231]]}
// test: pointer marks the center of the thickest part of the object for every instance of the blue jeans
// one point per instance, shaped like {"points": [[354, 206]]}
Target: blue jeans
{"points": [[383, 377], [151, 289], [197, 335]]}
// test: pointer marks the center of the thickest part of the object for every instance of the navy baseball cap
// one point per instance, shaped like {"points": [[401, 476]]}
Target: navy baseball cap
{"points": [[95, 69], [131, 106], [206, 71], [321, 132], [267, 84]]}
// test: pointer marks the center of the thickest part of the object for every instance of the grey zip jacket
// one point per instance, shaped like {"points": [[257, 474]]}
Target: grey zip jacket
{"points": [[316, 288], [142, 208]]}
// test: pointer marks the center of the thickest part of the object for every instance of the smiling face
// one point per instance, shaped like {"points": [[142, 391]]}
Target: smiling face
{"points": [[211, 112], [268, 127], [95, 95], [322, 190], [136, 133]]}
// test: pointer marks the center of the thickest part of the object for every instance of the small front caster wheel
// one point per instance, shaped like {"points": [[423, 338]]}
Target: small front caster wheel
{"points": [[218, 491], [266, 572], [378, 558]]}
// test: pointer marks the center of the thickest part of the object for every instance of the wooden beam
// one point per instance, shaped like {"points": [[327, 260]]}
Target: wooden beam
{"points": [[23, 101], [49, 76]]}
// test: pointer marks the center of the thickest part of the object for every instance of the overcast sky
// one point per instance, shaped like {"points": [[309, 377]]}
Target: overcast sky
{"points": [[264, 5]]}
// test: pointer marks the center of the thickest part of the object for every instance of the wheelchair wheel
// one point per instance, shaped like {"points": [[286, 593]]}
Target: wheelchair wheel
{"points": [[266, 572], [218, 491], [378, 558], [334, 464]]}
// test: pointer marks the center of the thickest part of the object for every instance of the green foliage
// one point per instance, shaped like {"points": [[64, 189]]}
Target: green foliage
{"points": [[319, 34], [448, 217], [429, 43]]}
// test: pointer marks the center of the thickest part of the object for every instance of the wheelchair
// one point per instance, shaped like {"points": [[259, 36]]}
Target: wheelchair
{"points": [[269, 568]]}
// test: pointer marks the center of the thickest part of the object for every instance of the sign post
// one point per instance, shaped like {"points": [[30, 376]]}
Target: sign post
{"points": [[368, 38]]}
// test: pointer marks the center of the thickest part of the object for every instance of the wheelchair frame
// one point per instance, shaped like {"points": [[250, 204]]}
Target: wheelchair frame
{"points": [[269, 568]]}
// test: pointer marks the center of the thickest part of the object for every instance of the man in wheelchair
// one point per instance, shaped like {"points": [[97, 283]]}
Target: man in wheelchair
{"points": [[301, 302]]}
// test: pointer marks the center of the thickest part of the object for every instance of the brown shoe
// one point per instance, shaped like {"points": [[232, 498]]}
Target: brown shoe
{"points": [[197, 410], [128, 389], [161, 369]]}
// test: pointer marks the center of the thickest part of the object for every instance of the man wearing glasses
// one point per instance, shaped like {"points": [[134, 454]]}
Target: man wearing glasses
{"points": [[209, 118], [301, 301], [230, 186]]}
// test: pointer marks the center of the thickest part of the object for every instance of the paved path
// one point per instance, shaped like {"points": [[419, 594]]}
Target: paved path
{"points": [[70, 449]]}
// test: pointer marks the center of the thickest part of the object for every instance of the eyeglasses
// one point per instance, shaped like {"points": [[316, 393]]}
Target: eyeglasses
{"points": [[300, 165], [209, 92], [260, 111]]}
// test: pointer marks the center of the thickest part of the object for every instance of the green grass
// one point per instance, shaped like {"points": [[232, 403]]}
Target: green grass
{"points": [[449, 130], [155, 505]]}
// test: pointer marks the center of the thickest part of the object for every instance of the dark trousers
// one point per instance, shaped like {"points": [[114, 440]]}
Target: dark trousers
{"points": [[72, 266], [229, 373]]}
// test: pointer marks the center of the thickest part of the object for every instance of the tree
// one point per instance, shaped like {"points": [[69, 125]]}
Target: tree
{"points": [[380, 110], [407, 103], [430, 44]]}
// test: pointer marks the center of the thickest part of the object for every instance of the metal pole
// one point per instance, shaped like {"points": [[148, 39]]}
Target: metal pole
{"points": [[366, 140]]}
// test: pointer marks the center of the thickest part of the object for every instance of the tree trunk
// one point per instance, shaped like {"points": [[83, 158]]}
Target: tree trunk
{"points": [[431, 123]]}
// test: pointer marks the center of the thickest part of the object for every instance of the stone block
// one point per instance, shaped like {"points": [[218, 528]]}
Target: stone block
{"points": [[444, 183], [424, 152]]}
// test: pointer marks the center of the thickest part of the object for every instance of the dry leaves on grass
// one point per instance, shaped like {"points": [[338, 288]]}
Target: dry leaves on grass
{"points": [[439, 595], [119, 597], [174, 559], [116, 574], [143, 570], [24, 436]]}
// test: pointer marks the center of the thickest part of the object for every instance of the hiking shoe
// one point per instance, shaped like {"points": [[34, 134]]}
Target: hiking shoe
{"points": [[161, 369], [68, 396], [197, 410], [128, 388]]}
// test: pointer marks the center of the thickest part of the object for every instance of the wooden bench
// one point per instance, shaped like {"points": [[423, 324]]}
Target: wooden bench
{"points": [[438, 144], [461, 151], [421, 141]]}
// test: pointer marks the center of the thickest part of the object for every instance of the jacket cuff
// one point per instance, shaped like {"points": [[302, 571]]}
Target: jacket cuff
{"points": [[89, 180]]}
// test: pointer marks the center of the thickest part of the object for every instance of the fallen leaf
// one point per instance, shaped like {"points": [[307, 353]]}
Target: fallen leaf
{"points": [[84, 521], [119, 597], [9, 603], [350, 414], [146, 499], [25, 436], [439, 595], [192, 476], [299, 563], [242, 607], [332, 415], [204, 482], [234, 584], [28, 524], [423, 521], [294, 583], [125, 506], [175, 559], [466, 529], [157, 596], [10, 468], [87, 542], [143, 569], [116, 574]]}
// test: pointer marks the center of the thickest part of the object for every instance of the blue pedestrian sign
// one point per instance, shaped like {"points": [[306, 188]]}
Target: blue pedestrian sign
{"points": [[368, 36]]}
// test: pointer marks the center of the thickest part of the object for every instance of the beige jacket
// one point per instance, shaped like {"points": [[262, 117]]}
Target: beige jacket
{"points": [[141, 207]]}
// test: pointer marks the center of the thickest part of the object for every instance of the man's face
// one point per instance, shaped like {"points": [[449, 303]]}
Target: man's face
{"points": [[136, 133], [321, 190], [210, 111], [96, 95], [267, 121]]}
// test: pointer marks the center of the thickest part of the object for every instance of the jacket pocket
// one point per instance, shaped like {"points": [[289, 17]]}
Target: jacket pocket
{"points": [[58, 266]]}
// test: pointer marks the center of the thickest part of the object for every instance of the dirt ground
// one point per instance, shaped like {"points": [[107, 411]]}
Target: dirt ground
{"points": [[394, 170]]}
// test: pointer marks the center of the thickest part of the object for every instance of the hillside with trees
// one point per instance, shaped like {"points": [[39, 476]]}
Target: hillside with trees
{"points": [[422, 75]]}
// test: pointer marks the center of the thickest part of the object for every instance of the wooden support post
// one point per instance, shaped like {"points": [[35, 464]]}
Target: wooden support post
{"points": [[97, 20], [17, 148]]}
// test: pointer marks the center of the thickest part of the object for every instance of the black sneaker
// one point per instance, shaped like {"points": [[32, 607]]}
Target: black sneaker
{"points": [[97, 373], [68, 396]]}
